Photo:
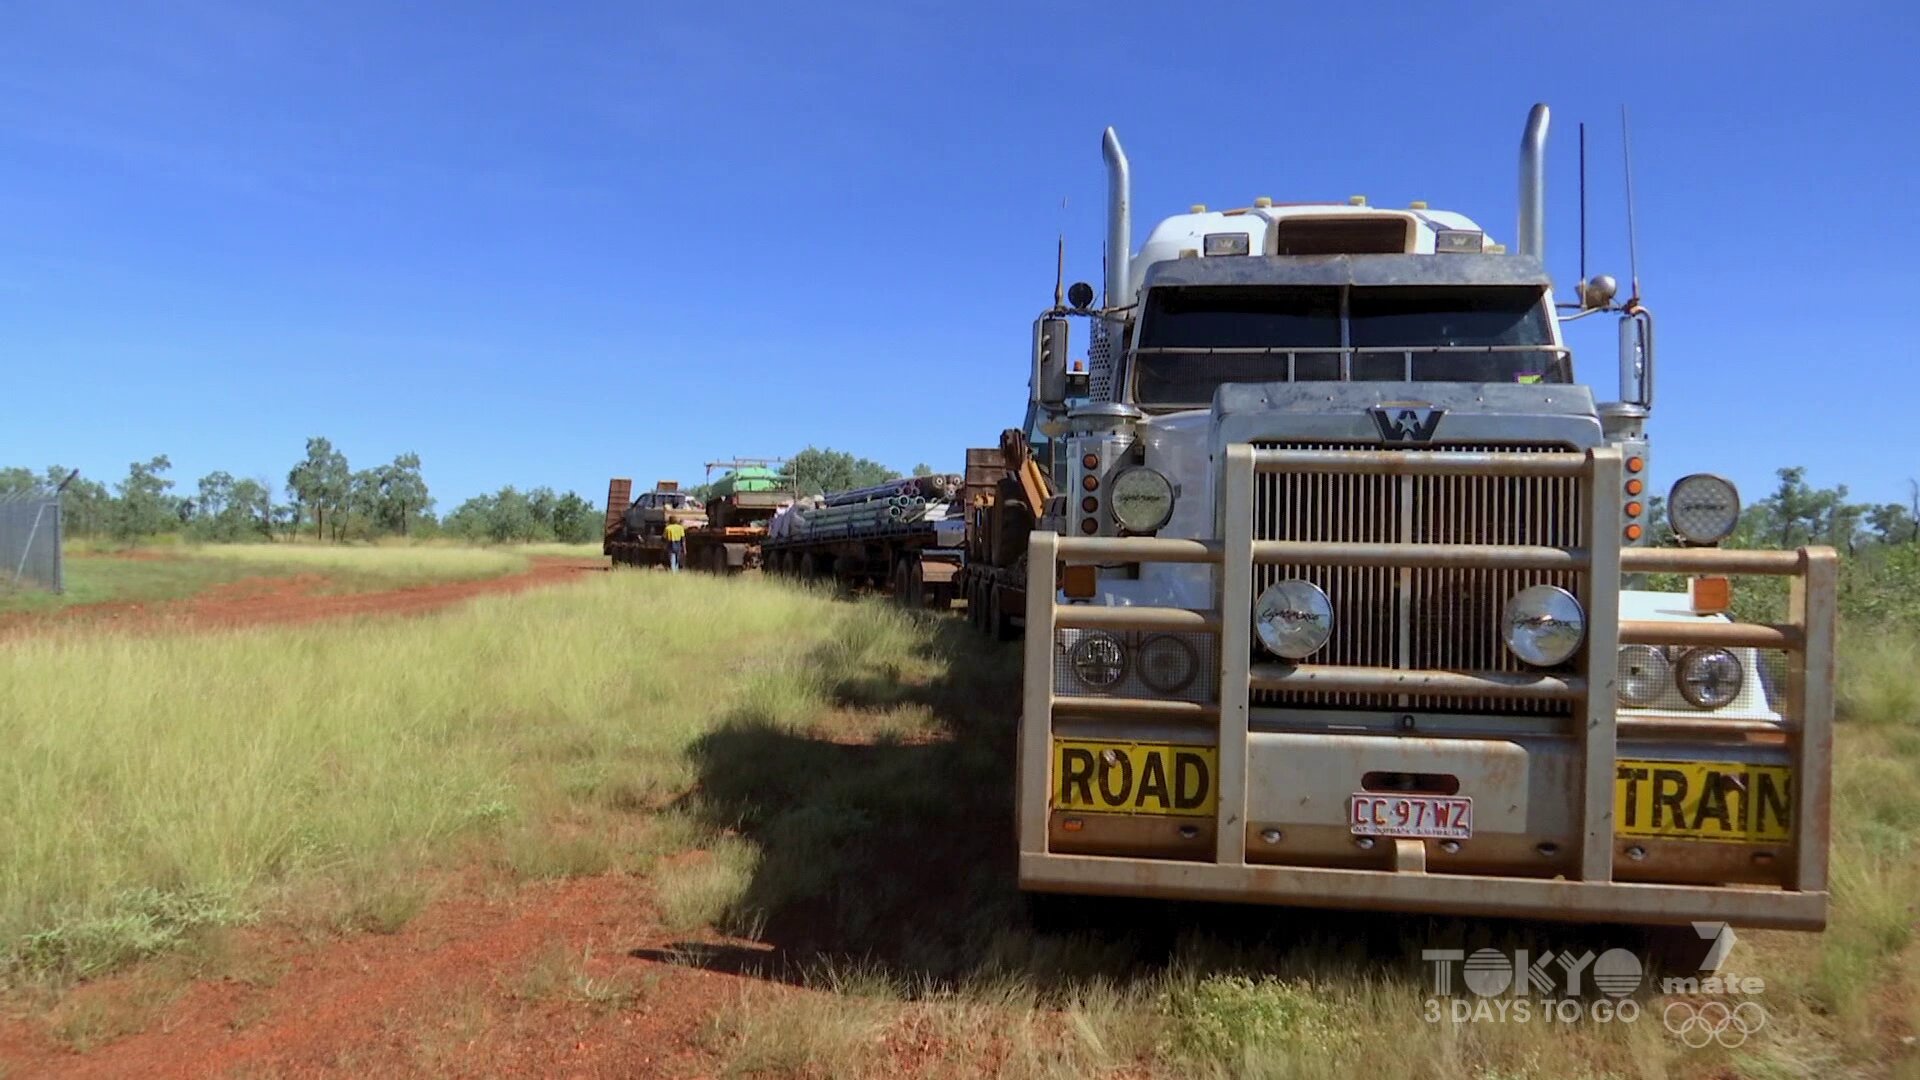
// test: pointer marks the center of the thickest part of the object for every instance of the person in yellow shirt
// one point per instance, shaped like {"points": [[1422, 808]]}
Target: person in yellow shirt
{"points": [[676, 545]]}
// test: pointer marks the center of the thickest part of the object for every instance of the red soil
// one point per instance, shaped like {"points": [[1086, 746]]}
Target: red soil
{"points": [[279, 601], [471, 987]]}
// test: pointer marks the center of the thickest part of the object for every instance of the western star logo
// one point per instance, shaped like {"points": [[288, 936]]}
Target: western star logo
{"points": [[1406, 423]]}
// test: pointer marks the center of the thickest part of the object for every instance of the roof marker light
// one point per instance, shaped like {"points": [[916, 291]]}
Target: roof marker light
{"points": [[1234, 243]]}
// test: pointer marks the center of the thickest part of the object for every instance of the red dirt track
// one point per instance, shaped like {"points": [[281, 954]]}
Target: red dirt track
{"points": [[458, 992], [275, 601], [548, 979]]}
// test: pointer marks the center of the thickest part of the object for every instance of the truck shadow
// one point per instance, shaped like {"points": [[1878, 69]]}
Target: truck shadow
{"points": [[895, 859]]}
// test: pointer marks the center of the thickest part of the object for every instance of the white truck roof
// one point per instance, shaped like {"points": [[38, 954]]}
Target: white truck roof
{"points": [[1188, 233]]}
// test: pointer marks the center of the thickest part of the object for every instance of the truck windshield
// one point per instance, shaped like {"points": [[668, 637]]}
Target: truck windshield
{"points": [[1195, 339]]}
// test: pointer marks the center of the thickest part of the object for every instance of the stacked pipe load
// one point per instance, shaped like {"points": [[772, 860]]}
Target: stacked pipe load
{"points": [[931, 488], [898, 504]]}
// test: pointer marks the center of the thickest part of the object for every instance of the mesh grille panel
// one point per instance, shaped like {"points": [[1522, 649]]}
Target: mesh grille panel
{"points": [[1445, 619], [1100, 362], [1763, 695]]}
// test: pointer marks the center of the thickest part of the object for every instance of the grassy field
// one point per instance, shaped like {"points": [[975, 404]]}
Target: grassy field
{"points": [[175, 571], [842, 769]]}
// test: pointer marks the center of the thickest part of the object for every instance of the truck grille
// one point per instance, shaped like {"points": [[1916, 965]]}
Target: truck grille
{"points": [[1446, 619]]}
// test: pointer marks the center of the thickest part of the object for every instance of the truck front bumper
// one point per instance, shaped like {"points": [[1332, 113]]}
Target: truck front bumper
{"points": [[1546, 842]]}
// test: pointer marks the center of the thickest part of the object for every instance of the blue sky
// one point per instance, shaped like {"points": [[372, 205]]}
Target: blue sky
{"points": [[553, 243]]}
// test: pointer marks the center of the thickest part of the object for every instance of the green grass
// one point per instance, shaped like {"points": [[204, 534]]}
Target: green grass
{"points": [[184, 570], [135, 779], [832, 780], [571, 551], [857, 843], [372, 566]]}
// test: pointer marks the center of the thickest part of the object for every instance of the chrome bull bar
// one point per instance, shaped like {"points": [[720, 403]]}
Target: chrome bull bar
{"points": [[1592, 892]]}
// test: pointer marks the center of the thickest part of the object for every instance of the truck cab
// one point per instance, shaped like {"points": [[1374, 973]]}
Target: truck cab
{"points": [[1329, 607]]}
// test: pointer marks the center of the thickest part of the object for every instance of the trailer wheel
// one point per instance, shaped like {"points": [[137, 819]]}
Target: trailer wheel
{"points": [[916, 582]]}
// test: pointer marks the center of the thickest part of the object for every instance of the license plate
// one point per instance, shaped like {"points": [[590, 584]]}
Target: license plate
{"points": [[1438, 817], [1100, 776], [1703, 800]]}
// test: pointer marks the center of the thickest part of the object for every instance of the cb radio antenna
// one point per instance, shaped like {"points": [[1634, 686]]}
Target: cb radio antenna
{"points": [[1583, 204]]}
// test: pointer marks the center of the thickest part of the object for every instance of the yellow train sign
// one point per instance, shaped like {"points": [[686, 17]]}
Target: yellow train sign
{"points": [[1703, 800]]}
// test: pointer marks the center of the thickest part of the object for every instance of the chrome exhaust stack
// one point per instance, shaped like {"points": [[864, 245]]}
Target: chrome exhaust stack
{"points": [[1530, 236], [1119, 220]]}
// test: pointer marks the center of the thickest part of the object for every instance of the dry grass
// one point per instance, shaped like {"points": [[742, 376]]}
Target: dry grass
{"points": [[94, 575], [382, 566], [156, 785], [831, 779], [1205, 991]]}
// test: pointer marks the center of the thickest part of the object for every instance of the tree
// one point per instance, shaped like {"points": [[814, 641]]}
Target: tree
{"points": [[1892, 523], [923, 469], [15, 480], [363, 504], [216, 491], [85, 505], [574, 520], [403, 493], [145, 508], [319, 483], [815, 471], [249, 509], [1791, 507], [511, 516]]}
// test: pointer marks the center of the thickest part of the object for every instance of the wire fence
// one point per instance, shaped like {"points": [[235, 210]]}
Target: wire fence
{"points": [[30, 543]]}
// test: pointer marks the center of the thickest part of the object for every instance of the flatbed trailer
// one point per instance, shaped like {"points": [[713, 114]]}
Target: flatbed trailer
{"points": [[723, 536], [914, 562]]}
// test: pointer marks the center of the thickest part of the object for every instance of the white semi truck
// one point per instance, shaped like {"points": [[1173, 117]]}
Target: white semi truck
{"points": [[1327, 606]]}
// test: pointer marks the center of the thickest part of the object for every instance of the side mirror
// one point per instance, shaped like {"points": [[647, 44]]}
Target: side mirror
{"points": [[1080, 295], [1050, 361], [1636, 357]]}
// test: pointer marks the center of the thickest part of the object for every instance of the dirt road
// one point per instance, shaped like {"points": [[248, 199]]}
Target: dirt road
{"points": [[569, 978], [279, 601]]}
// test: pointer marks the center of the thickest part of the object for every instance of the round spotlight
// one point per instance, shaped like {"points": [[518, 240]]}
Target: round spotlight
{"points": [[1643, 676], [1544, 625], [1709, 678], [1293, 618], [1703, 508], [1142, 499], [1167, 664], [1099, 661]]}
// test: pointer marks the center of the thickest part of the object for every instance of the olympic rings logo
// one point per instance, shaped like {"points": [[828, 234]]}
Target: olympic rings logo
{"points": [[1699, 1025]]}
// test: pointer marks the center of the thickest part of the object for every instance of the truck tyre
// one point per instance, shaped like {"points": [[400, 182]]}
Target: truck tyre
{"points": [[1012, 523], [998, 617], [717, 561], [916, 582]]}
